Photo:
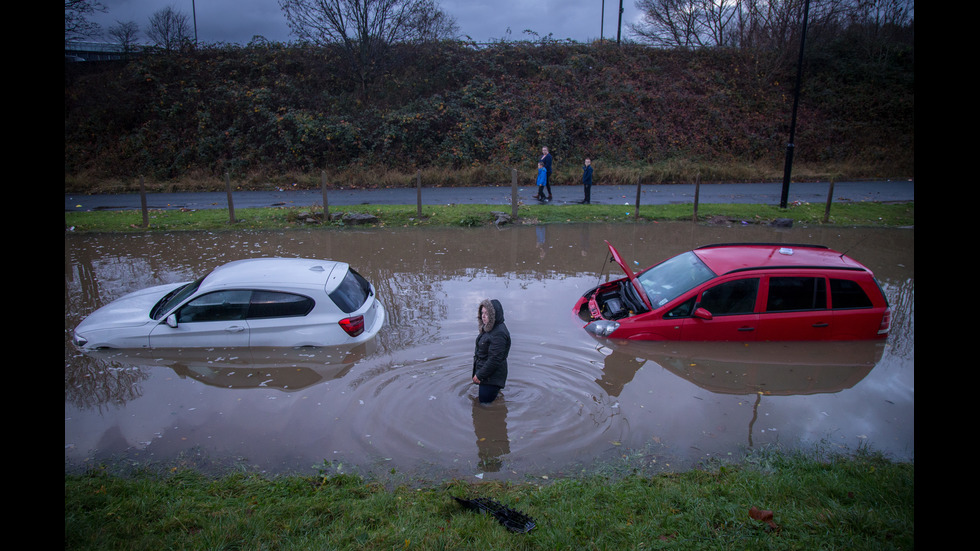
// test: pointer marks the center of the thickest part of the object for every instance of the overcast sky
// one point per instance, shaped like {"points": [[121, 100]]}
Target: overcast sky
{"points": [[237, 21]]}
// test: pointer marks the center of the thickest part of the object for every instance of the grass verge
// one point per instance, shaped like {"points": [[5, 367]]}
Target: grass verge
{"points": [[770, 500], [846, 214]]}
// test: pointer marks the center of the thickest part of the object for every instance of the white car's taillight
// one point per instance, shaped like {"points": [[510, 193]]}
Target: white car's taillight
{"points": [[353, 326]]}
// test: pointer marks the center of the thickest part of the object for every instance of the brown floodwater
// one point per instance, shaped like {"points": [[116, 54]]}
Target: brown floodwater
{"points": [[404, 403]]}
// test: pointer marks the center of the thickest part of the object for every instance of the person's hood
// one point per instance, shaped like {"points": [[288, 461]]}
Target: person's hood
{"points": [[496, 314]]}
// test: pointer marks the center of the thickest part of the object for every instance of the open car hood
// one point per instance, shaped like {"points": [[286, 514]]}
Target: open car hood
{"points": [[629, 274]]}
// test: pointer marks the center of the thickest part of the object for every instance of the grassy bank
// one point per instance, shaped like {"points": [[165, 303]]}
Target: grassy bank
{"points": [[282, 113], [768, 501], [846, 214]]}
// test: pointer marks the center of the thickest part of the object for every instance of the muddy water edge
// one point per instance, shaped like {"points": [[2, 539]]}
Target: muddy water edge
{"points": [[405, 403]]}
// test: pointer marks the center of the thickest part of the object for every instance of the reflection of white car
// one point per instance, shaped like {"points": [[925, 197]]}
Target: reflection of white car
{"points": [[283, 368], [256, 302]]}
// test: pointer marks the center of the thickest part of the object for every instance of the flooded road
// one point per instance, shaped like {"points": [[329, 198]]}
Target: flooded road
{"points": [[405, 402]]}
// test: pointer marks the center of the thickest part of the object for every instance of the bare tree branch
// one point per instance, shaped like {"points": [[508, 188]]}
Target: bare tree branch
{"points": [[77, 24], [366, 29], [759, 24], [125, 33], [169, 29]]}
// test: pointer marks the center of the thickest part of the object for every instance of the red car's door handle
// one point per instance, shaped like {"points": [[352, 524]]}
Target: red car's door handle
{"points": [[824, 324]]}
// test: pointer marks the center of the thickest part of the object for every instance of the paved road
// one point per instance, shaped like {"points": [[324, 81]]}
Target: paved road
{"points": [[884, 191]]}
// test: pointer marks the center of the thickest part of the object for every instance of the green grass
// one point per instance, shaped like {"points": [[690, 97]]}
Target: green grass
{"points": [[846, 214], [860, 501]]}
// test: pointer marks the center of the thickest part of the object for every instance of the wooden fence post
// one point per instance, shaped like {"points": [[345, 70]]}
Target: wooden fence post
{"points": [[146, 215], [513, 193], [636, 215], [697, 196], [418, 191], [830, 199], [323, 190], [231, 204]]}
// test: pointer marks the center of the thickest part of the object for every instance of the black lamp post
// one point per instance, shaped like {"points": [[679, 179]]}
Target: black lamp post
{"points": [[796, 101], [194, 11], [619, 31]]}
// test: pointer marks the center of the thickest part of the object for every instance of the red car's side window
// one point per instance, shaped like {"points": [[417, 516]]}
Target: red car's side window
{"points": [[845, 293], [796, 293], [731, 297]]}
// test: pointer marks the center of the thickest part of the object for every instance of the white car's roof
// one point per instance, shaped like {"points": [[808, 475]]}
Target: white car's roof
{"points": [[291, 272]]}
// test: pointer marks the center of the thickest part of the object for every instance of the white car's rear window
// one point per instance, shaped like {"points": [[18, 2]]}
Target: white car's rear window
{"points": [[352, 292]]}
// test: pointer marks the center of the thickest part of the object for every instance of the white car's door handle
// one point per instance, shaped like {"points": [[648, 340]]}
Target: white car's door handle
{"points": [[234, 329]]}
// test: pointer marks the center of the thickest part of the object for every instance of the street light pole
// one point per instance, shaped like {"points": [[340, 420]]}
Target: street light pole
{"points": [[619, 31], [788, 167], [194, 11], [602, 20]]}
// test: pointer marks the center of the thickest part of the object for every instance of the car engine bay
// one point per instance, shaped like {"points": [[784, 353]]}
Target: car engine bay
{"points": [[611, 301]]}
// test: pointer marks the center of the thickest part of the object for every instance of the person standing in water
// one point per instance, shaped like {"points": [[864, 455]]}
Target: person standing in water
{"points": [[492, 348]]}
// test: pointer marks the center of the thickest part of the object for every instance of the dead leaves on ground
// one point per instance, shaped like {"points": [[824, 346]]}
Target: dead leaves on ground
{"points": [[764, 516]]}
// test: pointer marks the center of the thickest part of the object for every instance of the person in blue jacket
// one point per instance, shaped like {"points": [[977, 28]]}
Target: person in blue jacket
{"points": [[492, 348], [587, 181], [546, 161], [542, 180]]}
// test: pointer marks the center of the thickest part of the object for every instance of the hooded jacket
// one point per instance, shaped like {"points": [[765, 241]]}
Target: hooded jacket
{"points": [[587, 175], [492, 346]]}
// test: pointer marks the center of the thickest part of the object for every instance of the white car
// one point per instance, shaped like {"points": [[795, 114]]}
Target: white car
{"points": [[256, 302]]}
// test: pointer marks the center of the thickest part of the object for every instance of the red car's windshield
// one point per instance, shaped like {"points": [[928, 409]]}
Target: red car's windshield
{"points": [[674, 277]]}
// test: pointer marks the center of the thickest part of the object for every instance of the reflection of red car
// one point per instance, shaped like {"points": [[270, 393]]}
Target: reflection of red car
{"points": [[743, 292]]}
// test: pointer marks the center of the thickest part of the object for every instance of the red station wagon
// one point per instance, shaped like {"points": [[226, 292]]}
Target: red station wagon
{"points": [[741, 292]]}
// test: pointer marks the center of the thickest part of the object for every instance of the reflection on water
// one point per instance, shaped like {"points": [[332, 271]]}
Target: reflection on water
{"points": [[771, 368], [759, 368], [490, 425], [286, 369], [406, 401]]}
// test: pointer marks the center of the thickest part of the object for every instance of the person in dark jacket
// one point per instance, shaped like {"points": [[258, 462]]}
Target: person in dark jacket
{"points": [[492, 347], [587, 181]]}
